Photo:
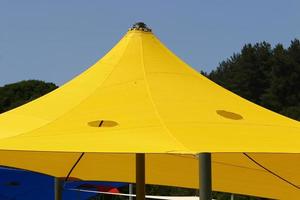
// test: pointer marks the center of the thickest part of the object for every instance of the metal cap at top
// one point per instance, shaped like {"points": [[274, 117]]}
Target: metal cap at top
{"points": [[140, 26]]}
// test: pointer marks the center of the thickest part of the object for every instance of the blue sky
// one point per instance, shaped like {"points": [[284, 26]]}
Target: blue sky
{"points": [[56, 40]]}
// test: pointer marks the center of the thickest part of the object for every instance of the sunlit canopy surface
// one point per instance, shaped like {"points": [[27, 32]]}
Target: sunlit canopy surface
{"points": [[140, 97]]}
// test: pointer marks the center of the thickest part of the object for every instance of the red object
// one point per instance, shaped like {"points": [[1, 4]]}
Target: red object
{"points": [[107, 189]]}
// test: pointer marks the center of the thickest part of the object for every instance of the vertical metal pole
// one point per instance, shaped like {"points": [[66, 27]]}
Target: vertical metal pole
{"points": [[57, 189], [130, 191], [232, 197], [205, 176], [140, 176]]}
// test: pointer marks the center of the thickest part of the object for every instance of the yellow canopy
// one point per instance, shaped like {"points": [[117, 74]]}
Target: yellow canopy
{"points": [[141, 98]]}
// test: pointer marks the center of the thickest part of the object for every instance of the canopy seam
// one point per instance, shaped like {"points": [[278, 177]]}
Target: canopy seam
{"points": [[79, 102], [151, 98]]}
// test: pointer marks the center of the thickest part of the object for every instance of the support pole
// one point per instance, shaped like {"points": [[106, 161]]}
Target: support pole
{"points": [[205, 176], [130, 191], [57, 189], [140, 176], [232, 197]]}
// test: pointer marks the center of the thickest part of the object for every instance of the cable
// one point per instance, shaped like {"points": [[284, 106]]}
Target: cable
{"points": [[66, 179], [273, 173]]}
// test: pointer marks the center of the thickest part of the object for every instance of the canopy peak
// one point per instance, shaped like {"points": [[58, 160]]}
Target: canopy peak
{"points": [[140, 26]]}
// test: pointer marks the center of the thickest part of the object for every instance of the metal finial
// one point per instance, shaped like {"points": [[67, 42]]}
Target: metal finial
{"points": [[141, 26]]}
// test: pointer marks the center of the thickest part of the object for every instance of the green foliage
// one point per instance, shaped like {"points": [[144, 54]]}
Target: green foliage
{"points": [[16, 94], [108, 197], [170, 191], [267, 76]]}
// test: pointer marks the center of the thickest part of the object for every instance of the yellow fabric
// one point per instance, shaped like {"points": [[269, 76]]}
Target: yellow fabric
{"points": [[148, 100]]}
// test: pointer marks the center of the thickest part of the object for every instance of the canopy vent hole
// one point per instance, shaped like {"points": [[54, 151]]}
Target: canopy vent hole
{"points": [[229, 115], [103, 123]]}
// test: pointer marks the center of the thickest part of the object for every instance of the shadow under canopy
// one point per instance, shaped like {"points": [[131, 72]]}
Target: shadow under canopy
{"points": [[141, 98]]}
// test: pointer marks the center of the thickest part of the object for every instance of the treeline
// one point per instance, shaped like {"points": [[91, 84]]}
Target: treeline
{"points": [[16, 94], [267, 76]]}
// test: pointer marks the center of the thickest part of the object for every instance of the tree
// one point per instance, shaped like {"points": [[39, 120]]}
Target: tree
{"points": [[267, 76], [16, 94]]}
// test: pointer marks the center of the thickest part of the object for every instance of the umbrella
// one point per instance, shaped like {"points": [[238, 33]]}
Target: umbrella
{"points": [[140, 104]]}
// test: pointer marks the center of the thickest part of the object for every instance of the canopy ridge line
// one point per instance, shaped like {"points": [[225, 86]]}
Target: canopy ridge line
{"points": [[84, 99], [152, 100], [271, 172], [73, 167]]}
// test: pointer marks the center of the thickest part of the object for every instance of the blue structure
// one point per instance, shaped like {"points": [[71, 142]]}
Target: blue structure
{"points": [[25, 185]]}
